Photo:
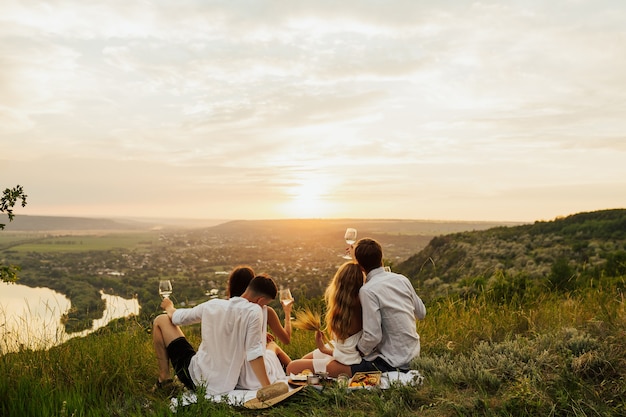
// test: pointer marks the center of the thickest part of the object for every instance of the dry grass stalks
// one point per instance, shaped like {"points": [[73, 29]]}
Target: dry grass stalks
{"points": [[307, 320]]}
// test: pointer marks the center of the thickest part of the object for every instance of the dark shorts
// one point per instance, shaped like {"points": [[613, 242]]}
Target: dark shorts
{"points": [[378, 364], [180, 353]]}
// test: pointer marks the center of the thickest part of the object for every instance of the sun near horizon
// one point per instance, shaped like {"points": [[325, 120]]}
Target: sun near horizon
{"points": [[308, 198]]}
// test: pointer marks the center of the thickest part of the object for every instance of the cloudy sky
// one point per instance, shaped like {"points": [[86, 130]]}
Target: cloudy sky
{"points": [[442, 109]]}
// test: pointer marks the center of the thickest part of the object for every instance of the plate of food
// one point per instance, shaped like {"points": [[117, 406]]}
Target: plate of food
{"points": [[299, 379], [362, 380]]}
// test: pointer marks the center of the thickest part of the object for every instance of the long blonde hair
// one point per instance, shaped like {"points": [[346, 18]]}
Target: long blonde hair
{"points": [[342, 299]]}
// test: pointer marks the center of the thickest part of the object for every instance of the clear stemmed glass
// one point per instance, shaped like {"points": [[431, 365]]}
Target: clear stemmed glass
{"points": [[285, 297], [350, 237], [165, 288]]}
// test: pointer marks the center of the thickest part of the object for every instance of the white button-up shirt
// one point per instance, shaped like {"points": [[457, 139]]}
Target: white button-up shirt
{"points": [[390, 308], [231, 335]]}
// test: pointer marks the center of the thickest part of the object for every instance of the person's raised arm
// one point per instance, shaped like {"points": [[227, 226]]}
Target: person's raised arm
{"points": [[273, 322]]}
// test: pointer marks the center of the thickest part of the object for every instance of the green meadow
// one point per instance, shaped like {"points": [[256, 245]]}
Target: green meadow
{"points": [[44, 243]]}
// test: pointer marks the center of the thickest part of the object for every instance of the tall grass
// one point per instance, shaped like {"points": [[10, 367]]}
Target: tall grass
{"points": [[553, 355], [106, 373]]}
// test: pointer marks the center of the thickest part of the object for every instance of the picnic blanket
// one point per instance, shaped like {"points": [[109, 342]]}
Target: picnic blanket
{"points": [[239, 397]]}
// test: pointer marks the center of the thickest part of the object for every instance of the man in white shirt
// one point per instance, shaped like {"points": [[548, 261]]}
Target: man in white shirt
{"points": [[232, 333], [390, 308]]}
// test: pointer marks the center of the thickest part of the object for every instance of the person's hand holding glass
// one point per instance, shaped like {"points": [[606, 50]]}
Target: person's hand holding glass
{"points": [[350, 237], [286, 300], [165, 290]]}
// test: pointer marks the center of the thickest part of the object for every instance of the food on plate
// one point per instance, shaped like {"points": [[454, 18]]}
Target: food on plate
{"points": [[302, 376], [363, 380]]}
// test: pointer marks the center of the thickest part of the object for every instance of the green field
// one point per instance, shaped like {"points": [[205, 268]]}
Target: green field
{"points": [[42, 243]]}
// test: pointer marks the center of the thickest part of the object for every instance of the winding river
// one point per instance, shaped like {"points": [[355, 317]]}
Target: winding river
{"points": [[30, 318]]}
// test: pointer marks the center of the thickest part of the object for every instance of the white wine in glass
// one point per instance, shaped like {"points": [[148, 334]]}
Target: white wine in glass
{"points": [[285, 297], [165, 288], [350, 238]]}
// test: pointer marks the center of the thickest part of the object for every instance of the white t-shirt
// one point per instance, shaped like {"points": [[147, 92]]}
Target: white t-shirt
{"points": [[232, 334]]}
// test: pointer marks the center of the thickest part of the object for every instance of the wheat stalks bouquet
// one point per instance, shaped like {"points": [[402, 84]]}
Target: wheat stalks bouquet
{"points": [[309, 320]]}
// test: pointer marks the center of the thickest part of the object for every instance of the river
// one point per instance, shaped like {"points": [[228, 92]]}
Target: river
{"points": [[31, 317]]}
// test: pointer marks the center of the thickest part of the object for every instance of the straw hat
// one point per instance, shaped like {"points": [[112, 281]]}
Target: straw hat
{"points": [[255, 403]]}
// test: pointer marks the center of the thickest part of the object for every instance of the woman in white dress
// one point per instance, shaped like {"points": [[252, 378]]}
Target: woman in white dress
{"points": [[344, 322]]}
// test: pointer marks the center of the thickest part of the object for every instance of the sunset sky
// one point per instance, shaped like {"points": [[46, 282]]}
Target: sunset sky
{"points": [[446, 109]]}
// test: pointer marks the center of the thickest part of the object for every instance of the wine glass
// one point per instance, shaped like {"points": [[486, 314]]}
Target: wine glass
{"points": [[165, 288], [285, 297], [350, 238]]}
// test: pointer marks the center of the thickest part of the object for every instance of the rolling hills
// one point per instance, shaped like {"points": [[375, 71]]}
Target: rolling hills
{"points": [[576, 248]]}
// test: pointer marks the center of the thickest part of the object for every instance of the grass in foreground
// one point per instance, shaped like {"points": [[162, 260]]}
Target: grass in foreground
{"points": [[557, 355]]}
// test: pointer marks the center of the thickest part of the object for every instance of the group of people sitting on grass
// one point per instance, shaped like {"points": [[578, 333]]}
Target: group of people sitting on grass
{"points": [[370, 315]]}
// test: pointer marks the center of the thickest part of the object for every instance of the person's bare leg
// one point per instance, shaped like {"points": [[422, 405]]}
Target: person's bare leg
{"points": [[163, 333], [297, 366], [335, 369]]}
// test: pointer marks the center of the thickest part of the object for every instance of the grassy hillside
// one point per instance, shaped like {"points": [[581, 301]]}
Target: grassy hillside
{"points": [[559, 355], [563, 254]]}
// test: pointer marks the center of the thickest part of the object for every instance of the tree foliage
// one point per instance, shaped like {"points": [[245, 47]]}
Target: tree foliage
{"points": [[10, 197]]}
